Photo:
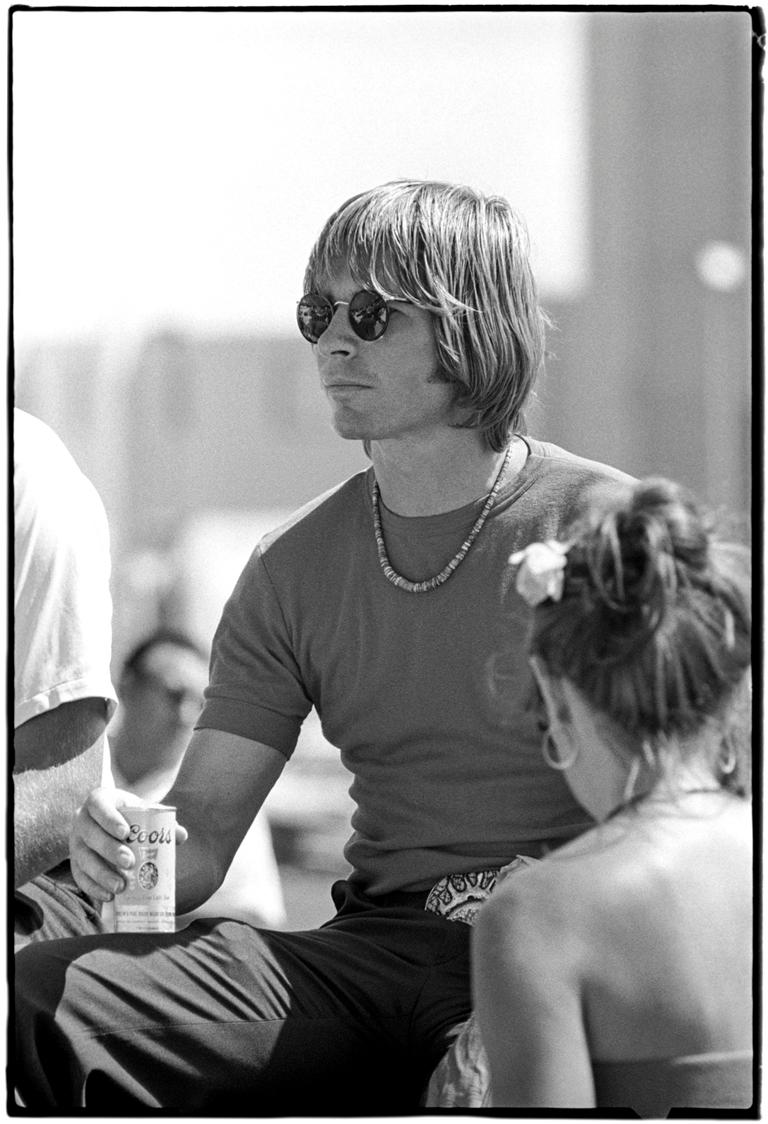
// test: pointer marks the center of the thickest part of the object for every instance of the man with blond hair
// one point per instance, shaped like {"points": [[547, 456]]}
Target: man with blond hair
{"points": [[387, 605]]}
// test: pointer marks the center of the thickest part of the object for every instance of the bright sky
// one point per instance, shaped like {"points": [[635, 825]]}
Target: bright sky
{"points": [[177, 166]]}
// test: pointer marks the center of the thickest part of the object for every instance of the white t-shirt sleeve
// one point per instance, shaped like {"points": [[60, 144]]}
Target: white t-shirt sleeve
{"points": [[62, 602]]}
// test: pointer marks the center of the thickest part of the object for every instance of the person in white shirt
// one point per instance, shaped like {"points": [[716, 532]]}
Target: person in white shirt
{"points": [[63, 694]]}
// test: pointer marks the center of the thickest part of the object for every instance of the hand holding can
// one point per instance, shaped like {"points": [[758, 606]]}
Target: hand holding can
{"points": [[148, 903]]}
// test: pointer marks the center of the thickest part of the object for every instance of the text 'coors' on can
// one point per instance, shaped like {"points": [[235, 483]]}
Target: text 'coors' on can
{"points": [[148, 903]]}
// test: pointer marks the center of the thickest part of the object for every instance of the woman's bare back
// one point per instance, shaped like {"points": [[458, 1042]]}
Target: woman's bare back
{"points": [[659, 902]]}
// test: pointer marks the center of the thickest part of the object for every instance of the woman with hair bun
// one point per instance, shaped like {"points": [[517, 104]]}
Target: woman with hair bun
{"points": [[618, 971]]}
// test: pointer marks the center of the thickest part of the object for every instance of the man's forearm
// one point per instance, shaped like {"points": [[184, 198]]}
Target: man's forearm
{"points": [[221, 786], [198, 875], [44, 802]]}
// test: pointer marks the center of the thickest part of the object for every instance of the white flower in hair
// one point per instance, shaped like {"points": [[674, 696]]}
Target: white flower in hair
{"points": [[541, 572]]}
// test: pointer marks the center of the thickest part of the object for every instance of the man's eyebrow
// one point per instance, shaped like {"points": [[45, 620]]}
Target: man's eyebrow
{"points": [[324, 289]]}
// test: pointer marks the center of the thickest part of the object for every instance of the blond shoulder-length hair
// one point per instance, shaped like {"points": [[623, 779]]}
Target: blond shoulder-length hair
{"points": [[465, 258]]}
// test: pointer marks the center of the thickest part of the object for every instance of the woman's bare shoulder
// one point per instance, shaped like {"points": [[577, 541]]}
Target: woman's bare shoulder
{"points": [[551, 883], [617, 867], [538, 900]]}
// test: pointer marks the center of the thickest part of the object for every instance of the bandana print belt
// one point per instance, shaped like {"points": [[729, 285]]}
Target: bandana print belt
{"points": [[457, 897]]}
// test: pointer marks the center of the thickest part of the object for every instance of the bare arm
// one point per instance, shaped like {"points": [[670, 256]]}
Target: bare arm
{"points": [[220, 787], [528, 1002], [223, 781], [57, 760]]}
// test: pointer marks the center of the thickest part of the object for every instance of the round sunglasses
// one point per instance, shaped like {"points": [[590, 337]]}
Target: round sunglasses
{"points": [[368, 315]]}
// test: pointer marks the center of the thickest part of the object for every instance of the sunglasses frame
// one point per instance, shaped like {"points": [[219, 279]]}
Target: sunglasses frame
{"points": [[380, 304]]}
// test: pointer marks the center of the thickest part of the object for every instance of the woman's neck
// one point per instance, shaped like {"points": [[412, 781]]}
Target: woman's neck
{"points": [[673, 787]]}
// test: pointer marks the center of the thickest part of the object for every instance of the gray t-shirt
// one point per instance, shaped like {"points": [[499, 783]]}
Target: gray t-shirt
{"points": [[428, 696]]}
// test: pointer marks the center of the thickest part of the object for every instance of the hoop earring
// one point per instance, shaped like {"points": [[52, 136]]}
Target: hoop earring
{"points": [[553, 762], [727, 762], [650, 760], [632, 775]]}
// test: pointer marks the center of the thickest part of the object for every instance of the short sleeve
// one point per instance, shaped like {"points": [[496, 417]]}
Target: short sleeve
{"points": [[256, 688], [62, 601]]}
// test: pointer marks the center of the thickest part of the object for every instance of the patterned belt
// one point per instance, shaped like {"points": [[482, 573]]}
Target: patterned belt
{"points": [[457, 897]]}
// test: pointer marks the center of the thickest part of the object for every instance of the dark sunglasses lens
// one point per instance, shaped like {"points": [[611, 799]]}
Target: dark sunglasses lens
{"points": [[368, 315], [313, 316]]}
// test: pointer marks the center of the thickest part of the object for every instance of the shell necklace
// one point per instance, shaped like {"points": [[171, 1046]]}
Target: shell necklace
{"points": [[432, 583]]}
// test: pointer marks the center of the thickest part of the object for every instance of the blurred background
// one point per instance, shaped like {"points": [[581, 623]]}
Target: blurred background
{"points": [[171, 171]]}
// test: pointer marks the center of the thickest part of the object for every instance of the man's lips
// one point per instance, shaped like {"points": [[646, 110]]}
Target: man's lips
{"points": [[346, 386]]}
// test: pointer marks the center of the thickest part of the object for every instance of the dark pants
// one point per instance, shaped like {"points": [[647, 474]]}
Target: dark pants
{"points": [[227, 1019], [52, 906]]}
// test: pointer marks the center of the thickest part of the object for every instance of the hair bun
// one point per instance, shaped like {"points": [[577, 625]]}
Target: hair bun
{"points": [[637, 551], [654, 624]]}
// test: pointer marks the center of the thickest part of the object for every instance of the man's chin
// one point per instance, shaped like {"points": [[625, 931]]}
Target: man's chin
{"points": [[350, 430]]}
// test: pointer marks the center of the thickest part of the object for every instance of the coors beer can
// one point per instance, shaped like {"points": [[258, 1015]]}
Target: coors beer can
{"points": [[148, 903]]}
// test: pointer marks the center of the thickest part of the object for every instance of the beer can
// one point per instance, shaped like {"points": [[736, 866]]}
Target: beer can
{"points": [[148, 903]]}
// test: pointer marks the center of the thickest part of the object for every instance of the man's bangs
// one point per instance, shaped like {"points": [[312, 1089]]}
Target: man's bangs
{"points": [[365, 242], [392, 274]]}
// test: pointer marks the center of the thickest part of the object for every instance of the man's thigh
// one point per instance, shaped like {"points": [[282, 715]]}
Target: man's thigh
{"points": [[223, 1017]]}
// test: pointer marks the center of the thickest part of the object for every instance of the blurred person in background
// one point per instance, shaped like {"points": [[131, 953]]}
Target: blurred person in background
{"points": [[160, 688], [63, 694], [618, 971], [384, 604]]}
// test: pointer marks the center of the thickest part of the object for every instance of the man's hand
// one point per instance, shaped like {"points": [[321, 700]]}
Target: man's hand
{"points": [[98, 854], [219, 789]]}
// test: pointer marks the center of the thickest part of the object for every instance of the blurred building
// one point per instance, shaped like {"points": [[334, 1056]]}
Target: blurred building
{"points": [[225, 423], [658, 351]]}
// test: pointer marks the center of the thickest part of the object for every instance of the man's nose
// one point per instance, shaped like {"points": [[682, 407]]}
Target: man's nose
{"points": [[338, 337]]}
